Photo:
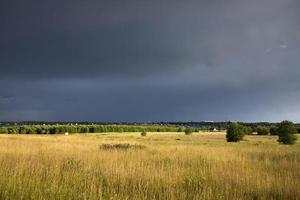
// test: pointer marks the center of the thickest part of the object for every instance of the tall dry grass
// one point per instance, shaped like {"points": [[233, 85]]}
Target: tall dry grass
{"points": [[172, 166]]}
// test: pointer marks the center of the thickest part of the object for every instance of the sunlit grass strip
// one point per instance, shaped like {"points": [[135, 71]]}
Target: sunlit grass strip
{"points": [[199, 166]]}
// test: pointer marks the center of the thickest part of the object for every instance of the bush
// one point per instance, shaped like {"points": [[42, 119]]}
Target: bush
{"points": [[22, 130], [3, 130], [143, 133], [83, 129], [30, 130], [53, 130], [180, 130], [286, 133], [188, 131], [235, 132], [249, 130], [254, 128], [92, 129], [121, 146], [263, 130], [274, 130]]}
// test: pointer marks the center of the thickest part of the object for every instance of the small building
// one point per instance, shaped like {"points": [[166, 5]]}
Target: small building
{"points": [[213, 129]]}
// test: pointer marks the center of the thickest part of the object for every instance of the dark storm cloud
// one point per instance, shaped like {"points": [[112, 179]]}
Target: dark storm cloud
{"points": [[7, 99], [87, 39], [105, 52], [149, 60], [144, 101]]}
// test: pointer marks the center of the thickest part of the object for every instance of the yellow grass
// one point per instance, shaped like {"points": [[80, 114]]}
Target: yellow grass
{"points": [[172, 166]]}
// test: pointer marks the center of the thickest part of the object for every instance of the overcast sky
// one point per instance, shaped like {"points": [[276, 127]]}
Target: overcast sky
{"points": [[142, 60]]}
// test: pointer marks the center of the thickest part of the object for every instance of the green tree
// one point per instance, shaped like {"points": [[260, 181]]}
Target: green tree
{"points": [[188, 131], [287, 133], [249, 130], [274, 130], [53, 130], [263, 130], [235, 132]]}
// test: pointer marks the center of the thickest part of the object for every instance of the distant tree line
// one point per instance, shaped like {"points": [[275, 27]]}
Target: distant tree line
{"points": [[204, 126], [59, 129], [253, 127]]}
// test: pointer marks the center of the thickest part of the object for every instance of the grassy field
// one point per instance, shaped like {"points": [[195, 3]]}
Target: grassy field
{"points": [[171, 166]]}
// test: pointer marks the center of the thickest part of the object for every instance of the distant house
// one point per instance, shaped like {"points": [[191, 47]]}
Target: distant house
{"points": [[213, 129]]}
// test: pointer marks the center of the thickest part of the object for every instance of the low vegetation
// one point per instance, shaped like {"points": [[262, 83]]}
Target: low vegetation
{"points": [[123, 146]]}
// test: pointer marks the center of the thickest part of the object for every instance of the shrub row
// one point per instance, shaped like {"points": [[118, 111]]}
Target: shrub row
{"points": [[56, 129], [286, 132]]}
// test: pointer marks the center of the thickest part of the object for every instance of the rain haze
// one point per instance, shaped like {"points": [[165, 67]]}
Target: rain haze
{"points": [[141, 61]]}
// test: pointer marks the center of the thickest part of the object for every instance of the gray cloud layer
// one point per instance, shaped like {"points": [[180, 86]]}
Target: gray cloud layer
{"points": [[150, 60]]}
